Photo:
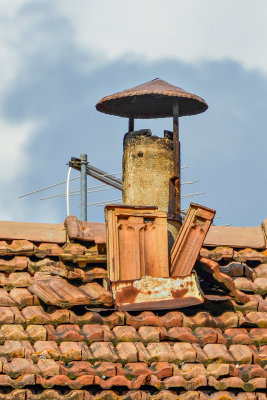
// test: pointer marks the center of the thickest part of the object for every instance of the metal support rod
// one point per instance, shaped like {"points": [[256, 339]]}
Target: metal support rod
{"points": [[104, 179], [176, 143], [131, 124], [110, 177], [97, 173], [174, 211], [177, 159], [83, 187]]}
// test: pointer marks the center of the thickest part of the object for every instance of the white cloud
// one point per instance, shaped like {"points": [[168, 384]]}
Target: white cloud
{"points": [[188, 30], [13, 154]]}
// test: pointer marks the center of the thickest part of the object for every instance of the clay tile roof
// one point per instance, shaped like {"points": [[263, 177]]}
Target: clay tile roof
{"points": [[61, 339], [153, 99]]}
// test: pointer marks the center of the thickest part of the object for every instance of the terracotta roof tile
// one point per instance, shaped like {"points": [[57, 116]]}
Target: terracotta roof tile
{"points": [[113, 319], [127, 352], [224, 281], [148, 334], [206, 335], [18, 367], [103, 351], [57, 291], [248, 254], [218, 353], [17, 247], [22, 297], [171, 319], [158, 352], [254, 319], [17, 263], [218, 254], [217, 370], [48, 367], [25, 380], [93, 332], [16, 279], [189, 354], [52, 394], [46, 349], [126, 333], [5, 299], [11, 349], [240, 353], [238, 237], [260, 271]]}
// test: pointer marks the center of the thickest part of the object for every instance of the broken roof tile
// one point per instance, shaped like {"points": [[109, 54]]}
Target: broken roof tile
{"points": [[86, 231], [57, 291]]}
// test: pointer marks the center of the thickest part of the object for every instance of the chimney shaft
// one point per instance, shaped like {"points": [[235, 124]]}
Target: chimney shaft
{"points": [[148, 165], [147, 169]]}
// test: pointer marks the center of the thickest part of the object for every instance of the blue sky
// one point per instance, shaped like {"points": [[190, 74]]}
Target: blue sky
{"points": [[59, 58]]}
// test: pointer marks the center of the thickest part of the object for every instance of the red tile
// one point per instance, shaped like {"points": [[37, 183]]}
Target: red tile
{"points": [[185, 352], [240, 353], [126, 334], [47, 349], [127, 352], [218, 353], [70, 351], [93, 333], [103, 351], [6, 315]]}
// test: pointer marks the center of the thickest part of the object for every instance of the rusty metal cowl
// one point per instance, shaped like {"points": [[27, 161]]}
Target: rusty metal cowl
{"points": [[154, 99]]}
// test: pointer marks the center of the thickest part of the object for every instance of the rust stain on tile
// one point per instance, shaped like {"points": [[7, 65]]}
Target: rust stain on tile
{"points": [[155, 292]]}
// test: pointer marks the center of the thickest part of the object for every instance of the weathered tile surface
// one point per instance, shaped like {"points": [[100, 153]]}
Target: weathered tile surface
{"points": [[61, 338]]}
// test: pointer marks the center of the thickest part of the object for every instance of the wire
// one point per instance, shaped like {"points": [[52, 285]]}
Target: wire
{"points": [[58, 184], [108, 202], [102, 202], [189, 182], [187, 196], [68, 191], [47, 187], [77, 192]]}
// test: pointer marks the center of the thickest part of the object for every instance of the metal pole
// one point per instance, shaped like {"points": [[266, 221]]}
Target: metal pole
{"points": [[83, 187], [131, 124], [176, 143], [177, 159]]}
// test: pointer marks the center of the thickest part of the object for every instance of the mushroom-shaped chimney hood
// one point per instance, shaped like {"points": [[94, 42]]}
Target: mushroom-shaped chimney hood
{"points": [[157, 99], [154, 99]]}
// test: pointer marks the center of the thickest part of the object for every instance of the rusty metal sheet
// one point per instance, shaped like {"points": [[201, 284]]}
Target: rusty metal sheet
{"points": [[153, 99], [151, 293], [34, 232], [137, 242], [85, 231], [186, 248]]}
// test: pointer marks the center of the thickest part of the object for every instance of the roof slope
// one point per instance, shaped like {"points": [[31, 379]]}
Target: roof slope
{"points": [[65, 341]]}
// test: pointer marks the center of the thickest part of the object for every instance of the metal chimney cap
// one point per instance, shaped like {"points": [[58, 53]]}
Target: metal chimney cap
{"points": [[154, 99]]}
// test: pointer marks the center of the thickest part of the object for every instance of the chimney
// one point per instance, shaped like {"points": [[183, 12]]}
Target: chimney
{"points": [[151, 164]]}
